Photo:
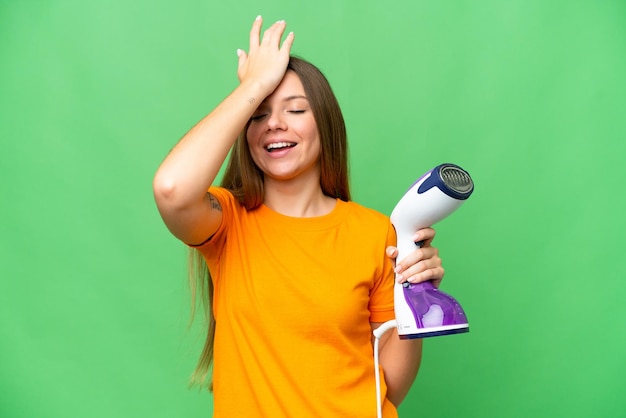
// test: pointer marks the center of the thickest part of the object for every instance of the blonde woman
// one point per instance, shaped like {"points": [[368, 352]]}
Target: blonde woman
{"points": [[300, 275]]}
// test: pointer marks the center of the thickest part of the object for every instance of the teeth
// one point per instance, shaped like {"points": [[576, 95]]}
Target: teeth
{"points": [[276, 145]]}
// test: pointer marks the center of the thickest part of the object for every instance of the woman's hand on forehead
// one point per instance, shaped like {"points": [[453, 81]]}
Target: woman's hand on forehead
{"points": [[266, 61]]}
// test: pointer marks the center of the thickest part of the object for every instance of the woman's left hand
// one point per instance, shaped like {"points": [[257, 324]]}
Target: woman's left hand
{"points": [[421, 265]]}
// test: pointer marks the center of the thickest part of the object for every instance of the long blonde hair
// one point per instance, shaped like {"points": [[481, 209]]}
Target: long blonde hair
{"points": [[245, 181]]}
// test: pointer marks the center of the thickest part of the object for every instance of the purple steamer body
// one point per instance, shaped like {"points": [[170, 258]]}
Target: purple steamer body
{"points": [[421, 297]]}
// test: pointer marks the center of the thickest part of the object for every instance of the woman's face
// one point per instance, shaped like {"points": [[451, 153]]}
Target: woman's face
{"points": [[282, 135]]}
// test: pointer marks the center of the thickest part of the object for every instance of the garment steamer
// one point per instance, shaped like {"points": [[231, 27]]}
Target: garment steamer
{"points": [[421, 309]]}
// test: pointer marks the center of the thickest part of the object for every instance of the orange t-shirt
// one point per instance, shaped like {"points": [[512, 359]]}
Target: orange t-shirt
{"points": [[293, 302]]}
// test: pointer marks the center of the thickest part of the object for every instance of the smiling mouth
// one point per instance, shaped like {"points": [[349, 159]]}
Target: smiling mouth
{"points": [[277, 146]]}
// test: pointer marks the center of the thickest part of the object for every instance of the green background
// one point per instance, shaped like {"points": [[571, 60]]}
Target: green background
{"points": [[528, 96]]}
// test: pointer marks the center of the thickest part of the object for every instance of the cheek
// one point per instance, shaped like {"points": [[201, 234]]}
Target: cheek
{"points": [[250, 135], [317, 142], [308, 129], [253, 138]]}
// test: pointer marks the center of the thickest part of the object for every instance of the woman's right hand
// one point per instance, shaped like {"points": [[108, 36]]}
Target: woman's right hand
{"points": [[266, 61]]}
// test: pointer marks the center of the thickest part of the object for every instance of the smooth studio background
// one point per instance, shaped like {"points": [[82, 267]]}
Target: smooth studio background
{"points": [[529, 96]]}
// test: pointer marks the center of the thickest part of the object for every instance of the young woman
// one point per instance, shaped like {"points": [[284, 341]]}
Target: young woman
{"points": [[299, 274]]}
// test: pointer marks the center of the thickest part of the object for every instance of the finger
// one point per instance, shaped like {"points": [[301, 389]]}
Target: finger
{"points": [[241, 54], [417, 262], [273, 34], [435, 275], [392, 252], [242, 58], [420, 267], [255, 32], [287, 43], [425, 235], [420, 253]]}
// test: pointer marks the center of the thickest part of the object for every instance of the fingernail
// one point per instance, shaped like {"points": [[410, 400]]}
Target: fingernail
{"points": [[239, 51], [399, 278], [280, 21], [258, 17], [398, 269]]}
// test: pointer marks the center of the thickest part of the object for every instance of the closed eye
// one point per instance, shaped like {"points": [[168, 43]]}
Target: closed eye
{"points": [[258, 117]]}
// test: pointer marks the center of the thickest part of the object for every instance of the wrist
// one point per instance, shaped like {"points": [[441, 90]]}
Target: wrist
{"points": [[254, 92]]}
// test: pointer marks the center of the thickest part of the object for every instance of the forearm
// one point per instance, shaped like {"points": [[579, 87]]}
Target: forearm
{"points": [[400, 360], [192, 165]]}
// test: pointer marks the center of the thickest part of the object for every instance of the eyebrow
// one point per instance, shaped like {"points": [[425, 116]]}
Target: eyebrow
{"points": [[288, 98]]}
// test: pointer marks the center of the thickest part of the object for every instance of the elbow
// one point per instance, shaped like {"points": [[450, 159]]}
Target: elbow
{"points": [[398, 386], [170, 195], [396, 398], [164, 188], [175, 196], [401, 365]]}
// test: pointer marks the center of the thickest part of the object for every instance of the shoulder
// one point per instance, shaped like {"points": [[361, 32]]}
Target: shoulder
{"points": [[225, 202], [228, 202], [375, 222], [356, 209], [372, 224], [222, 195]]}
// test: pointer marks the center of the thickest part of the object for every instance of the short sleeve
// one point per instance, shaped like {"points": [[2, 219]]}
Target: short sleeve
{"points": [[381, 296]]}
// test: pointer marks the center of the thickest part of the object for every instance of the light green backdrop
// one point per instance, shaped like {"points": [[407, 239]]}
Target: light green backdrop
{"points": [[529, 96]]}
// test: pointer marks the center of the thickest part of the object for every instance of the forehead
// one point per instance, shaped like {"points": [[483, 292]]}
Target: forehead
{"points": [[289, 86]]}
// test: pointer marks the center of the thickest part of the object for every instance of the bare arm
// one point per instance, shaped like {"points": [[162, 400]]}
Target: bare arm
{"points": [[181, 182], [400, 361]]}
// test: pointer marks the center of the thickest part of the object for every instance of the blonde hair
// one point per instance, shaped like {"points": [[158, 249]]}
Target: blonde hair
{"points": [[245, 181]]}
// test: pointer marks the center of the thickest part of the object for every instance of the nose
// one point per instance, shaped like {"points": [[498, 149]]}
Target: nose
{"points": [[276, 122]]}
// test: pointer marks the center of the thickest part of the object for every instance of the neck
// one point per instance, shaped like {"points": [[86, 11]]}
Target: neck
{"points": [[297, 198]]}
